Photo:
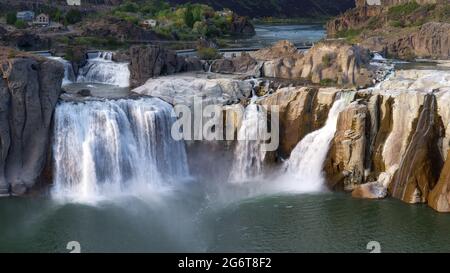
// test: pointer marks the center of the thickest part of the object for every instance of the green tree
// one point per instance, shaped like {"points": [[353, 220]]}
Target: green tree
{"points": [[189, 17], [73, 16], [11, 18], [20, 24]]}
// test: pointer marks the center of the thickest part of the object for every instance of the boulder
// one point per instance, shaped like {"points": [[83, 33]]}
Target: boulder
{"points": [[372, 190], [29, 88], [439, 197], [84, 93], [244, 64], [338, 62], [182, 89], [152, 61], [332, 61]]}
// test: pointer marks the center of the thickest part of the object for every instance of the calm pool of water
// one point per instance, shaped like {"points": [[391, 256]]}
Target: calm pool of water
{"points": [[187, 221]]}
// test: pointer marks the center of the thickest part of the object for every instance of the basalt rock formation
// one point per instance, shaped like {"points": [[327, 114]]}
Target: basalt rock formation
{"points": [[152, 61], [404, 32], [29, 88], [328, 62], [393, 140]]}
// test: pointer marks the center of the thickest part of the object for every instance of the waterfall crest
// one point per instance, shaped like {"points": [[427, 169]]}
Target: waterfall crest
{"points": [[107, 148], [69, 74], [101, 69], [305, 165]]}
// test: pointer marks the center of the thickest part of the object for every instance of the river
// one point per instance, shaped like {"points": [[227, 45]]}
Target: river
{"points": [[267, 35]]}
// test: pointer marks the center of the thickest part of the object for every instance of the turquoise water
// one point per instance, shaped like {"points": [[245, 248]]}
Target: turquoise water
{"points": [[186, 221], [266, 35]]}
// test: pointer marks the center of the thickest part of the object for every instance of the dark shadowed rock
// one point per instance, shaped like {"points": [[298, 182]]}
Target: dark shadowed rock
{"points": [[84, 92], [243, 64], [152, 61], [419, 170], [29, 88]]}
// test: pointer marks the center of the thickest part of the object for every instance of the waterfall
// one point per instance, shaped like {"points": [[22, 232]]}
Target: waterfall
{"points": [[101, 69], [108, 148], [69, 74], [305, 165], [248, 155]]}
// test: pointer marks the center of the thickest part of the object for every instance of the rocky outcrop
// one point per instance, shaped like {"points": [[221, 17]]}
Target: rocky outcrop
{"points": [[29, 88], [439, 197], [118, 29], [352, 19], [344, 166], [429, 41], [244, 64], [329, 63], [392, 140], [152, 61], [241, 25], [183, 89], [421, 164], [338, 62], [27, 40], [301, 111]]}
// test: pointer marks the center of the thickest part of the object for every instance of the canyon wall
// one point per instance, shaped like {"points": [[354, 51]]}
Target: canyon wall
{"points": [[29, 88]]}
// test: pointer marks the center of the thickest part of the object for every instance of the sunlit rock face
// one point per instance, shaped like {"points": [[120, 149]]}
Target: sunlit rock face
{"points": [[331, 61], [439, 197], [344, 164], [395, 136], [301, 111], [421, 163], [328, 62], [183, 89]]}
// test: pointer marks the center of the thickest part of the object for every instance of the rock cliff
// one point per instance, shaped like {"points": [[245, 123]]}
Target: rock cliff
{"points": [[29, 88], [405, 32]]}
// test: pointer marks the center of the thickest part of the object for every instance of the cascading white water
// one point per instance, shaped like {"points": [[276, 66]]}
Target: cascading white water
{"points": [[248, 155], [108, 148], [101, 69], [304, 169], [69, 74]]}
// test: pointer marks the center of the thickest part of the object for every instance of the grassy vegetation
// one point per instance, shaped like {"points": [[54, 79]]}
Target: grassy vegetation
{"points": [[400, 11], [97, 42], [409, 15], [207, 53], [184, 22], [327, 82], [351, 35]]}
